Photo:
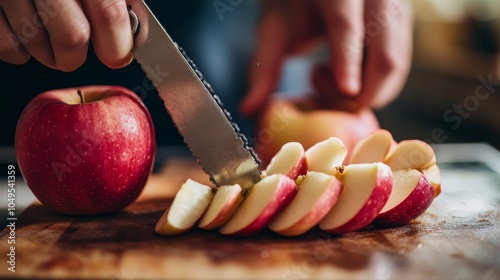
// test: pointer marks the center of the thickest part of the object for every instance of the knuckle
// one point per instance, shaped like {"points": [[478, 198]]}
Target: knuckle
{"points": [[6, 47], [343, 21], [388, 63], [11, 51], [112, 12], [340, 17], [75, 37]]}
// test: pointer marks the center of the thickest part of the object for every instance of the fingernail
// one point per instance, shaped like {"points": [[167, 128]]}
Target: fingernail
{"points": [[127, 60], [130, 58], [351, 86]]}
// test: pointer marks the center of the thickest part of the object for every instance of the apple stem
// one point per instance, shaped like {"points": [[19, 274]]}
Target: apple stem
{"points": [[340, 169], [82, 97], [244, 192]]}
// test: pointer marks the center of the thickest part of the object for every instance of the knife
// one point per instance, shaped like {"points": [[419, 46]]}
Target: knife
{"points": [[207, 128]]}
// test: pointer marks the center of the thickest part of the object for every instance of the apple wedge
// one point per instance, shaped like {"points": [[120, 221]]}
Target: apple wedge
{"points": [[188, 206], [366, 189], [263, 202], [326, 156], [416, 154], [289, 160], [411, 195], [317, 194], [223, 206], [373, 148], [411, 154], [433, 174]]}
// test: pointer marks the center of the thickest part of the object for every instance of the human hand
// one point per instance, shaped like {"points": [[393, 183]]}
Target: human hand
{"points": [[370, 44], [57, 32]]}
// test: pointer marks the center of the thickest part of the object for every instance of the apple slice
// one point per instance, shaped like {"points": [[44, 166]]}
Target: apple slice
{"points": [[433, 174], [411, 195], [366, 189], [411, 154], [373, 148], [289, 160], [264, 200], [326, 155], [223, 206], [317, 194], [188, 206]]}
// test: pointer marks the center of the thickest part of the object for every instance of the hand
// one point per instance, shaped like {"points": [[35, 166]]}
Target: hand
{"points": [[370, 44], [57, 32]]}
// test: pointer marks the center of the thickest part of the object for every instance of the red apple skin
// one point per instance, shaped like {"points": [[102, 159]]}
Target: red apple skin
{"points": [[302, 120], [372, 207], [285, 192], [417, 202], [85, 159], [299, 169], [224, 215], [321, 208]]}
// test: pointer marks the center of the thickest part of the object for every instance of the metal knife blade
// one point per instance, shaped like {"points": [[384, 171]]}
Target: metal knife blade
{"points": [[207, 128]]}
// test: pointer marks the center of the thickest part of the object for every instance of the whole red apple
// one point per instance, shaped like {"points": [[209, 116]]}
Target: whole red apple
{"points": [[85, 151], [305, 121]]}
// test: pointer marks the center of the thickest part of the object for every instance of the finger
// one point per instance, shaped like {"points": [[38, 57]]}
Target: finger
{"points": [[265, 68], [388, 53], [326, 94], [29, 29], [344, 20], [321, 79], [69, 32], [11, 49], [111, 33]]}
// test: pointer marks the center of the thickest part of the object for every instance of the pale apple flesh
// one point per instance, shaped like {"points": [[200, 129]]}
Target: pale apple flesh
{"points": [[433, 174], [290, 160], [411, 154], [223, 206], [366, 189], [263, 202], [373, 148], [189, 204], [411, 195], [317, 194], [326, 156]]}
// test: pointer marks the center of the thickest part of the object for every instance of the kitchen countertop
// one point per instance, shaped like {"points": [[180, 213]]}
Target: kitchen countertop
{"points": [[458, 237]]}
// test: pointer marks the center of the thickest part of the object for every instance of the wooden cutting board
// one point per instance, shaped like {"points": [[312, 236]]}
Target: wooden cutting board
{"points": [[457, 238]]}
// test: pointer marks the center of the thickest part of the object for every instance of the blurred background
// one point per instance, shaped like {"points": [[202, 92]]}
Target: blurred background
{"points": [[453, 89], [452, 93]]}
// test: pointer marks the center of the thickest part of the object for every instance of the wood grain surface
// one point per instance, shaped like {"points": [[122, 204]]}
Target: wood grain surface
{"points": [[457, 238]]}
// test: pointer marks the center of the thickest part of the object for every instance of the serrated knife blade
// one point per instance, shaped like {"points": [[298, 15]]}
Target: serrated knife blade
{"points": [[196, 111]]}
